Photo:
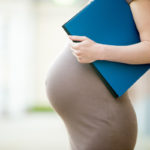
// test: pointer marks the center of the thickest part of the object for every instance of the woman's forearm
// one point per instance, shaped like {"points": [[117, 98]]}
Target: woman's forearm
{"points": [[138, 53]]}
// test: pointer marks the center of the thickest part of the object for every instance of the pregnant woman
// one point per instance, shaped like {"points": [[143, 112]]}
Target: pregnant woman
{"points": [[94, 119]]}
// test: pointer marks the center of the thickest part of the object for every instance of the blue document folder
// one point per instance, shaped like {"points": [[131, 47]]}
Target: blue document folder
{"points": [[109, 22]]}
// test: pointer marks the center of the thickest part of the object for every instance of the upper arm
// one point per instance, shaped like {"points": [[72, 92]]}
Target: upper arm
{"points": [[141, 14]]}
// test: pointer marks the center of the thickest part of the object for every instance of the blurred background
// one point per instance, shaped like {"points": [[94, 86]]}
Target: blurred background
{"points": [[30, 31]]}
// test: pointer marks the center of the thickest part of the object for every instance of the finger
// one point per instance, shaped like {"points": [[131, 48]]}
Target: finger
{"points": [[77, 52], [82, 43], [78, 38], [78, 46], [73, 50], [74, 54]]}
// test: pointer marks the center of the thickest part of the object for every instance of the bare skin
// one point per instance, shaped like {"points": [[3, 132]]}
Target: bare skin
{"points": [[88, 51]]}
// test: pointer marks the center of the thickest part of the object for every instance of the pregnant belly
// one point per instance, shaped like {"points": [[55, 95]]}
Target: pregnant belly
{"points": [[68, 81]]}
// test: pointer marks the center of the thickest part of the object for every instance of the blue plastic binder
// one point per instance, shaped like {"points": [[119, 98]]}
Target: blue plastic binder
{"points": [[109, 22]]}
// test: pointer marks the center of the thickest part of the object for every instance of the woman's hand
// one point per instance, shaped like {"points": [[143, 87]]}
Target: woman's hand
{"points": [[86, 51]]}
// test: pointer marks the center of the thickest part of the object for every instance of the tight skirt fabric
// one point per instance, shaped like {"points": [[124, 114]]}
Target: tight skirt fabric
{"points": [[94, 119]]}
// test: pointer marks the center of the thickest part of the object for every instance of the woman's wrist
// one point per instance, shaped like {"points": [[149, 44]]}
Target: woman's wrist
{"points": [[101, 51]]}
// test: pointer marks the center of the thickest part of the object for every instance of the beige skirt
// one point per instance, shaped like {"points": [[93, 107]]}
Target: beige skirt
{"points": [[94, 119]]}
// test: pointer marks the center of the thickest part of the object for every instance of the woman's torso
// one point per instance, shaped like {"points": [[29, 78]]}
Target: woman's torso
{"points": [[91, 114]]}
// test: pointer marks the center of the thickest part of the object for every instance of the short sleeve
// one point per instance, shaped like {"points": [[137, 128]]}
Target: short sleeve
{"points": [[129, 1]]}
